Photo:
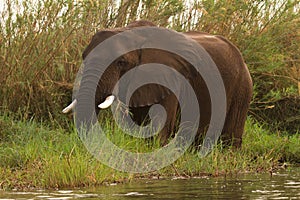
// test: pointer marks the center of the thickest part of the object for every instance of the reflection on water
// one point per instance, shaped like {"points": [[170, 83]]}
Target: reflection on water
{"points": [[282, 185]]}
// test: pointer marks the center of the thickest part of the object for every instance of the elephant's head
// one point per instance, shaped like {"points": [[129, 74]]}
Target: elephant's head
{"points": [[105, 76]]}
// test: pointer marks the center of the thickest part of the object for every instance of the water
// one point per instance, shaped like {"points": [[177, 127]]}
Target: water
{"points": [[281, 185]]}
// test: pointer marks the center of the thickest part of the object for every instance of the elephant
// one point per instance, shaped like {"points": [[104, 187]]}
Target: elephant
{"points": [[226, 56]]}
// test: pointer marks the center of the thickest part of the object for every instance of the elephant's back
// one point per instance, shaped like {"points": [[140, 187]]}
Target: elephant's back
{"points": [[228, 60]]}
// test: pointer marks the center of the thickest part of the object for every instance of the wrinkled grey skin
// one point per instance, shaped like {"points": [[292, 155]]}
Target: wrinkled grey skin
{"points": [[228, 59]]}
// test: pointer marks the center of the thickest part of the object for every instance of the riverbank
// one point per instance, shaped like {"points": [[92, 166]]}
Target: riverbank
{"points": [[32, 155], [284, 184]]}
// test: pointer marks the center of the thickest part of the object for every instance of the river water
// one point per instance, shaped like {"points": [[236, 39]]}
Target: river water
{"points": [[281, 185]]}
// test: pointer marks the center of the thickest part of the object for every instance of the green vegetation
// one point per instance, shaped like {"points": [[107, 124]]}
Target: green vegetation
{"points": [[40, 54], [34, 155]]}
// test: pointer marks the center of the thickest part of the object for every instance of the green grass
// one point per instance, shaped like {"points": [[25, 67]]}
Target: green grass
{"points": [[34, 156]]}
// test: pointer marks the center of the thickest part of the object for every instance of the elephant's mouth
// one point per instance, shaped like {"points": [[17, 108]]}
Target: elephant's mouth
{"points": [[105, 104]]}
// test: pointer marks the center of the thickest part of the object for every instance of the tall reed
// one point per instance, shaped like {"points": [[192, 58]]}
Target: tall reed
{"points": [[42, 41]]}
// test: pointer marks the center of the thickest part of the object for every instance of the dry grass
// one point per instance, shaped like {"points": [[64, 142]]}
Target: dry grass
{"points": [[41, 46]]}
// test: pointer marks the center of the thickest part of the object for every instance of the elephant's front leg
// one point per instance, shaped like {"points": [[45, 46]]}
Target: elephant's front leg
{"points": [[170, 104]]}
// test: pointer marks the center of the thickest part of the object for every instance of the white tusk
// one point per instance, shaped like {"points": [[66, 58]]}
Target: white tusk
{"points": [[108, 101], [70, 107]]}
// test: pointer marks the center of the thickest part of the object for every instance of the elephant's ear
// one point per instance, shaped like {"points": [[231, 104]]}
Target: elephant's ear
{"points": [[150, 84], [157, 78], [148, 95], [185, 48]]}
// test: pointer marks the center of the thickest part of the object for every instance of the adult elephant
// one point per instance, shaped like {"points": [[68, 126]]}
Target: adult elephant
{"points": [[227, 58]]}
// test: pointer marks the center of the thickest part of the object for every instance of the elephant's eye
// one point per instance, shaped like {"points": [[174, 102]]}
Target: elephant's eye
{"points": [[122, 63]]}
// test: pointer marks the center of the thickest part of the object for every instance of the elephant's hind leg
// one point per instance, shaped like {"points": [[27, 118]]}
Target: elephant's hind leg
{"points": [[235, 119]]}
